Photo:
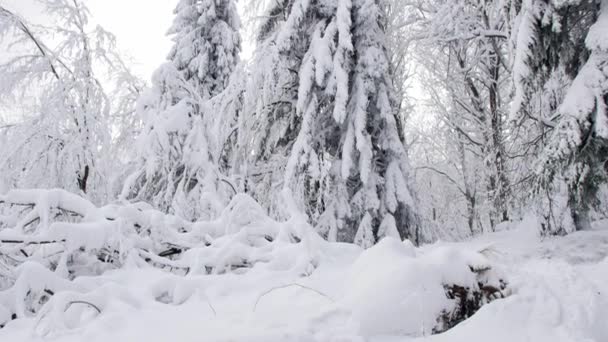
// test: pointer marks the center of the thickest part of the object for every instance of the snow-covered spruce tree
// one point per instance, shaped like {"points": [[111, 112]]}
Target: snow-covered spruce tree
{"points": [[268, 125], [561, 82], [63, 138], [178, 170], [349, 167], [206, 43]]}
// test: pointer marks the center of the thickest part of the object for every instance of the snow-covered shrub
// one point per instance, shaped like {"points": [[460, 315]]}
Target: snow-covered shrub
{"points": [[49, 238], [395, 288], [469, 299]]}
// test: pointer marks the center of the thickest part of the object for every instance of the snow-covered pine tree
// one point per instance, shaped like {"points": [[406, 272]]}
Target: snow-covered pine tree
{"points": [[561, 83], [349, 166], [178, 169]]}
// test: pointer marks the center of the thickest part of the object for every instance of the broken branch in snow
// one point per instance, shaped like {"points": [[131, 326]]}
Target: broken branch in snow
{"points": [[28, 242]]}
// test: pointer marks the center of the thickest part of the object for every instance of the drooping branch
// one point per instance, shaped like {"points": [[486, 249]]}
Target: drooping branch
{"points": [[444, 174], [288, 286], [24, 28]]}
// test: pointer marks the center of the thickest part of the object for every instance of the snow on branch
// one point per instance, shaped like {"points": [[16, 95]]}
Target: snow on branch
{"points": [[51, 237]]}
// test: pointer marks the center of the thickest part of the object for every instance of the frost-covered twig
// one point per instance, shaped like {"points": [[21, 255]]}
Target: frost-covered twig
{"points": [[288, 286], [85, 303]]}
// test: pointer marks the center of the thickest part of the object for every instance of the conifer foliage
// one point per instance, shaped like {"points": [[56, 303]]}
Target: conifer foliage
{"points": [[561, 63], [349, 166], [284, 181], [321, 120], [515, 98], [178, 169]]}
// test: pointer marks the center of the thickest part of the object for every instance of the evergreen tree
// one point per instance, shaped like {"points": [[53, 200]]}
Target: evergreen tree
{"points": [[178, 170], [206, 43], [268, 125], [348, 166], [561, 83]]}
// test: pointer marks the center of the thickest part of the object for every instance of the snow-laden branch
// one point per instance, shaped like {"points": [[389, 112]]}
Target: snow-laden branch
{"points": [[78, 236]]}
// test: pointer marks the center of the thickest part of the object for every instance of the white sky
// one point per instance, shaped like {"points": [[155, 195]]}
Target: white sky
{"points": [[140, 27]]}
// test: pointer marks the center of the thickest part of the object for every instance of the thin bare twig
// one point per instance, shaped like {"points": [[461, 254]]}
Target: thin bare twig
{"points": [[85, 303], [287, 286]]}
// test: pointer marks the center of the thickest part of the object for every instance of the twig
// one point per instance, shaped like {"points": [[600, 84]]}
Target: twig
{"points": [[211, 307], [229, 184], [287, 286], [31, 242], [83, 302], [170, 252]]}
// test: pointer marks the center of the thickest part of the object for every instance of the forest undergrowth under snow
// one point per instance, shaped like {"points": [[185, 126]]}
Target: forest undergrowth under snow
{"points": [[379, 170], [249, 278]]}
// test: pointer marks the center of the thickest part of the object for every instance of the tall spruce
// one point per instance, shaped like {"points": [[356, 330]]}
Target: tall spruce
{"points": [[268, 125], [349, 166], [178, 170]]}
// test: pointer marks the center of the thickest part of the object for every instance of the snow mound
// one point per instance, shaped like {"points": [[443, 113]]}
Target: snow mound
{"points": [[397, 291], [553, 301]]}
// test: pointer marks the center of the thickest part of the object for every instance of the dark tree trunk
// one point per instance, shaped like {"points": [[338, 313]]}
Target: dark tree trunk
{"points": [[83, 179]]}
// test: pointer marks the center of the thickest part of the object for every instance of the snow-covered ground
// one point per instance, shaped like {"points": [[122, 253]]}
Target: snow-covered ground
{"points": [[558, 291]]}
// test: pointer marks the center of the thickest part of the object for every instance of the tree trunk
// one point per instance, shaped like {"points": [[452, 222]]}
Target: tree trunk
{"points": [[500, 186], [83, 179]]}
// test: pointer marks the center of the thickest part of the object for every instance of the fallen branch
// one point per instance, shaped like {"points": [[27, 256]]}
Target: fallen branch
{"points": [[170, 252], [31, 242]]}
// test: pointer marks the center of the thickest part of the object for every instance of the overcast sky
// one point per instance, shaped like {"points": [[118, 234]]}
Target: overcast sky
{"points": [[139, 26]]}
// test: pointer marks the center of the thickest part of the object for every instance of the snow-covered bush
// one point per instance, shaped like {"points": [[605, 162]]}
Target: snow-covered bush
{"points": [[395, 288], [57, 248], [50, 237]]}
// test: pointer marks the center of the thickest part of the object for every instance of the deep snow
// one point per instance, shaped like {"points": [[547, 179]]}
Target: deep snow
{"points": [[558, 292]]}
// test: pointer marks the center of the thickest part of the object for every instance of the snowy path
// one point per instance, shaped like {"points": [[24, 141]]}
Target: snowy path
{"points": [[560, 293]]}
